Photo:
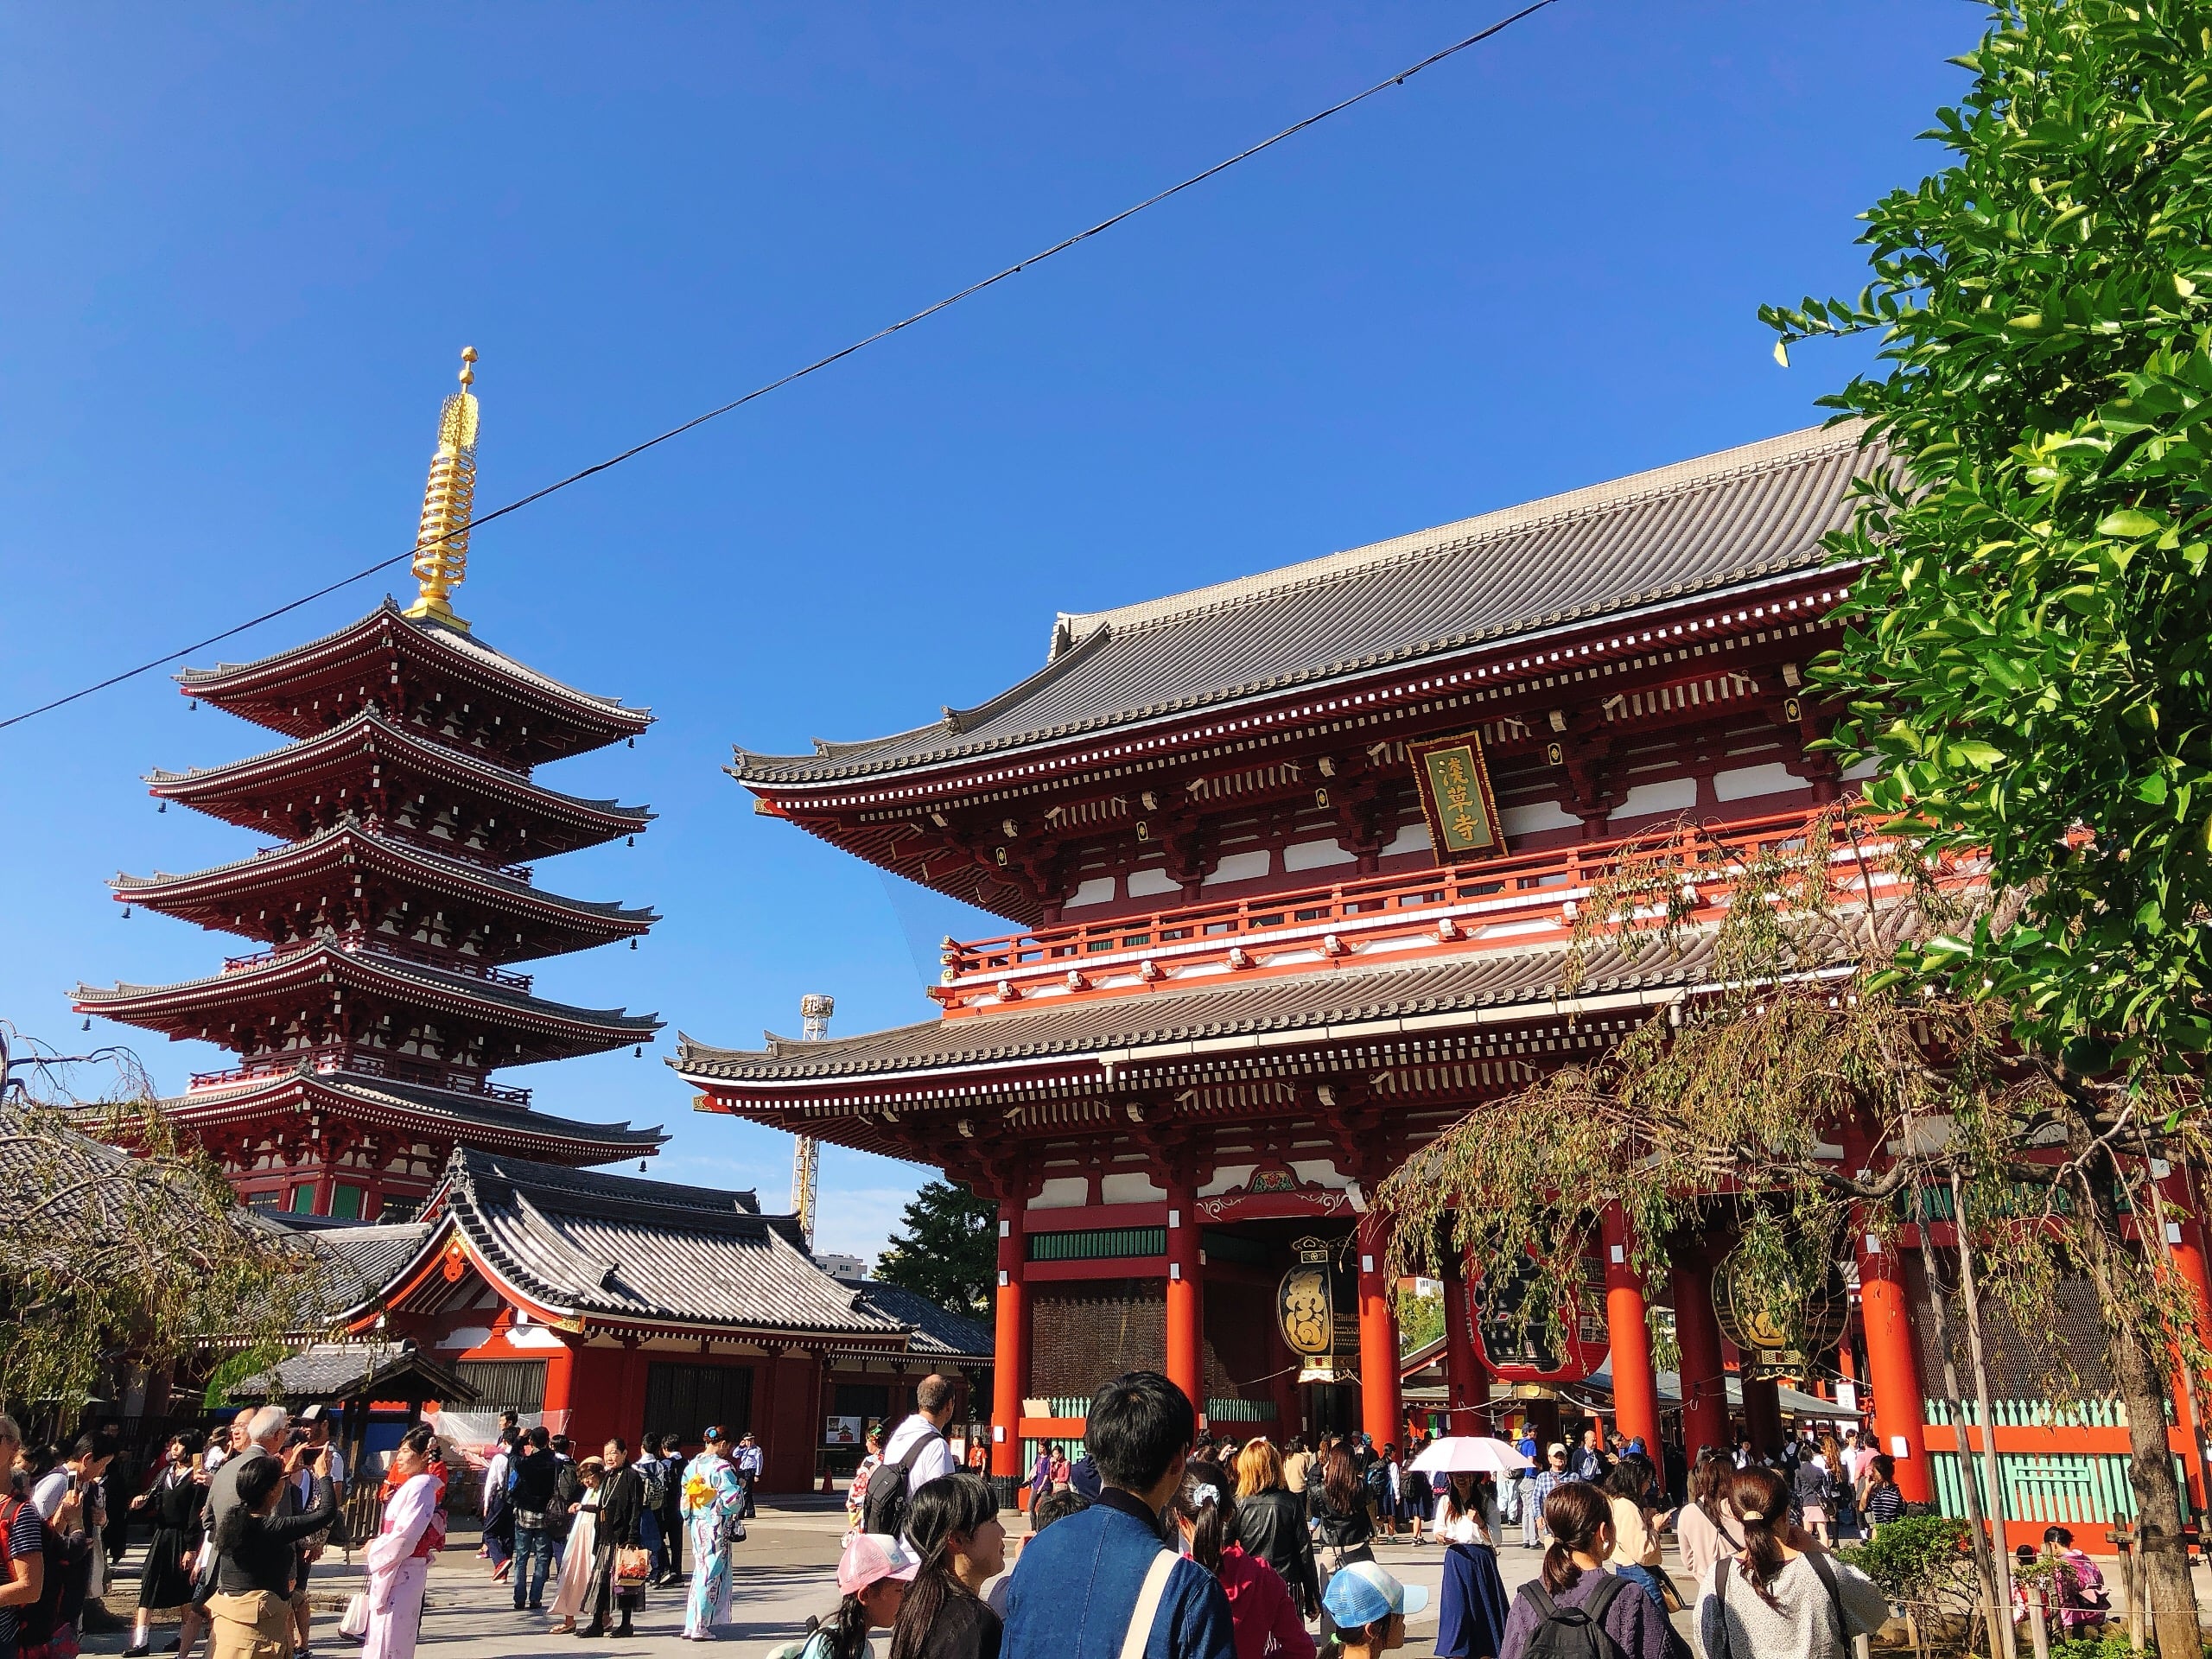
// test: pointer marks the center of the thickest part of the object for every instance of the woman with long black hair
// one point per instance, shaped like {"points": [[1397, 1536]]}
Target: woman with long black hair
{"points": [[174, 1503], [1574, 1581], [953, 1524], [1264, 1617]]}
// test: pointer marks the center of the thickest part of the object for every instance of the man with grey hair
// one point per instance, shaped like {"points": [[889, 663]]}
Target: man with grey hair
{"points": [[265, 1434]]}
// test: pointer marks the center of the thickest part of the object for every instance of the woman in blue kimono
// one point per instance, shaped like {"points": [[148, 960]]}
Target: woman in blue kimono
{"points": [[714, 1499]]}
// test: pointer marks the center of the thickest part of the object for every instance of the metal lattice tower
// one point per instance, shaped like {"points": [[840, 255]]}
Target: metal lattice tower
{"points": [[814, 1011]]}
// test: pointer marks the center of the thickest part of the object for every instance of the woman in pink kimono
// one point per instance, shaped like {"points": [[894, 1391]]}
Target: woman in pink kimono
{"points": [[398, 1558]]}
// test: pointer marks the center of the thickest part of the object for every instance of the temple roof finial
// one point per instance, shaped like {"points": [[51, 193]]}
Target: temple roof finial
{"points": [[449, 501]]}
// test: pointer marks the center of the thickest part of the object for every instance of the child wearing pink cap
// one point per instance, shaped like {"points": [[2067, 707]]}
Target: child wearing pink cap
{"points": [[873, 1574]]}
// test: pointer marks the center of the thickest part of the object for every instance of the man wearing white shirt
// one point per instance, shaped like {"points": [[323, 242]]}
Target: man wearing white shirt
{"points": [[933, 1398]]}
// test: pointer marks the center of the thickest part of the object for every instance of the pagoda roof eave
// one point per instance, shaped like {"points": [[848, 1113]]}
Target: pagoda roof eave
{"points": [[1717, 524], [549, 1139], [200, 787], [408, 983], [453, 649], [436, 870]]}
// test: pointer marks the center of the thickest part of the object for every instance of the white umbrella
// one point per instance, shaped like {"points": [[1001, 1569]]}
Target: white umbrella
{"points": [[1470, 1454]]}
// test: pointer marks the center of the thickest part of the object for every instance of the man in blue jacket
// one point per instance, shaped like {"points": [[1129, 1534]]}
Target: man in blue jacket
{"points": [[1084, 1581]]}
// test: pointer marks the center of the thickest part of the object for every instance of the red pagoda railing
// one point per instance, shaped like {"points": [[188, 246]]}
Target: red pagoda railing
{"points": [[1517, 902], [399, 950], [337, 1056]]}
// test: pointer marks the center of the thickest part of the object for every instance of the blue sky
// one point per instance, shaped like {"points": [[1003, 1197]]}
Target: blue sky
{"points": [[243, 245]]}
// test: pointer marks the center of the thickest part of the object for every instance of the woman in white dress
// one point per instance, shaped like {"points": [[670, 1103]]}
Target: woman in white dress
{"points": [[398, 1557], [578, 1554]]}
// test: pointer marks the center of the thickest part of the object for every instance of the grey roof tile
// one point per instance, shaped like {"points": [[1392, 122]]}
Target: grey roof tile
{"points": [[1699, 526], [412, 1100], [1355, 993], [651, 1251], [340, 1370], [935, 1330]]}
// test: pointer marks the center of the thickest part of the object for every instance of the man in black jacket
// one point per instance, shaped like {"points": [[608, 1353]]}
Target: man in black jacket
{"points": [[531, 1483], [621, 1508]]}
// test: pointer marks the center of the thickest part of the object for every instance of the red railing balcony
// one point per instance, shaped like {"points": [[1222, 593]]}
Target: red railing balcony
{"points": [[1520, 902], [331, 1058], [399, 950]]}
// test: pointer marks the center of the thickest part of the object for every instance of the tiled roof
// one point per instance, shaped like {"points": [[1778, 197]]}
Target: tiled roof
{"points": [[363, 970], [935, 1330], [347, 836], [1699, 526], [615, 1246], [371, 728], [1489, 987], [342, 1371], [384, 1096], [389, 615], [1111, 1026], [364, 1258]]}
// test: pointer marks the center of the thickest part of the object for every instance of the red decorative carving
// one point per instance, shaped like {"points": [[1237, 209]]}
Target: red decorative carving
{"points": [[1274, 1190]]}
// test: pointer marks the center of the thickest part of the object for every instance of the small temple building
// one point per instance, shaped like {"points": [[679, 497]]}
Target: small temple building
{"points": [[1290, 866], [394, 895], [606, 1305]]}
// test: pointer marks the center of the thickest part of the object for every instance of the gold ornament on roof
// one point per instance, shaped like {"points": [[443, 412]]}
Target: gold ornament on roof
{"points": [[449, 501]]}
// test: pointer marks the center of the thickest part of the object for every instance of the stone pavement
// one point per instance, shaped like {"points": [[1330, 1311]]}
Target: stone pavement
{"points": [[785, 1569]]}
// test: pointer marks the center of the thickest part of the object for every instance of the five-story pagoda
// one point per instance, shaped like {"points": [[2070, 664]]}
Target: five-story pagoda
{"points": [[391, 907]]}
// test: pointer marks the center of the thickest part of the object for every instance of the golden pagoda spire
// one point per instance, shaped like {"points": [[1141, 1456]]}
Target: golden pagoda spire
{"points": [[448, 499]]}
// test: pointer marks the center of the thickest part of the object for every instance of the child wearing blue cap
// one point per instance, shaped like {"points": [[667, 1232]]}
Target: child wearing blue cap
{"points": [[1369, 1608]]}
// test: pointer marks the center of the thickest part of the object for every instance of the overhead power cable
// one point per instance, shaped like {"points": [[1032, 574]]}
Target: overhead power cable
{"points": [[815, 367]]}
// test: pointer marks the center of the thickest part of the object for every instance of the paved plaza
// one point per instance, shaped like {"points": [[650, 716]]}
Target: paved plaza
{"points": [[786, 1569]]}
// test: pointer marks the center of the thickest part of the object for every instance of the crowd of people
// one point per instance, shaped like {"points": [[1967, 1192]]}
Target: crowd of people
{"points": [[238, 1521], [1150, 1539]]}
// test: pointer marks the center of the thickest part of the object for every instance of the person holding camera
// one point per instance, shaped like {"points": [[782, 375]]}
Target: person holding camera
{"points": [[257, 1554]]}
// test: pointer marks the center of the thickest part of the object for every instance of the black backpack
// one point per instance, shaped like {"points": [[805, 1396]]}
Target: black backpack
{"points": [[885, 1509], [1573, 1632]]}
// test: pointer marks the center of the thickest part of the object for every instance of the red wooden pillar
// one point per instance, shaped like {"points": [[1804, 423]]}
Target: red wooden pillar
{"points": [[1010, 1349], [1380, 1411], [1762, 1413], [1186, 1351], [560, 1366], [1636, 1381], [629, 1405], [1466, 1388], [1697, 1334], [1893, 1365]]}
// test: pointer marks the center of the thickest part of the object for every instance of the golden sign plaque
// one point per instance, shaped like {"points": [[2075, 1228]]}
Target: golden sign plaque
{"points": [[1456, 799]]}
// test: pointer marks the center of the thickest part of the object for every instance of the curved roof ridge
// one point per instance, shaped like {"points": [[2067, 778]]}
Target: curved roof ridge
{"points": [[1062, 659], [389, 612], [483, 874], [395, 967], [372, 715], [1677, 478]]}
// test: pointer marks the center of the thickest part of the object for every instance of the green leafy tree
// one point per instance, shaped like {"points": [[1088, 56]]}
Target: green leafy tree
{"points": [[1420, 1318], [949, 1249], [122, 1249], [2033, 631], [1719, 1124]]}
